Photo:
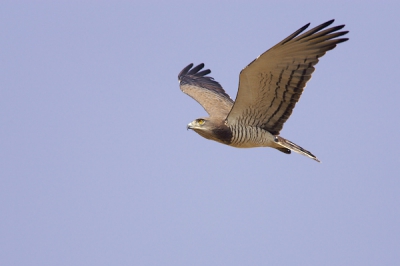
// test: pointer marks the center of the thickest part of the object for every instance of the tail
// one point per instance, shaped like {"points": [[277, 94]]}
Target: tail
{"points": [[287, 146]]}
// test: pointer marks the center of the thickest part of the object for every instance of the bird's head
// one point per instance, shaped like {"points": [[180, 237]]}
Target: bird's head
{"points": [[211, 128], [200, 124], [204, 127]]}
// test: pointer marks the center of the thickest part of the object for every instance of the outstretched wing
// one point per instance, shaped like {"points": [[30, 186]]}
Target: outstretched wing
{"points": [[271, 85], [205, 90]]}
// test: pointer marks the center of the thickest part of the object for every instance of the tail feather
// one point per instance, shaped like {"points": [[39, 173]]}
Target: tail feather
{"points": [[285, 144]]}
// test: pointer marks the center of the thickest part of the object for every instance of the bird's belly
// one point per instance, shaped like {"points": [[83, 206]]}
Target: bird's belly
{"points": [[250, 144], [251, 137]]}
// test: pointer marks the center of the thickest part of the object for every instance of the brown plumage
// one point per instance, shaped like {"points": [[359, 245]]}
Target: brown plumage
{"points": [[269, 88]]}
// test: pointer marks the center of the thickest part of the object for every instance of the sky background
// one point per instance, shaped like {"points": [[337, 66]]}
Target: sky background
{"points": [[97, 167]]}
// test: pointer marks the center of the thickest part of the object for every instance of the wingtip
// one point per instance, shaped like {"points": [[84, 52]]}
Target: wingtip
{"points": [[329, 22], [196, 69], [184, 71], [304, 27], [343, 40]]}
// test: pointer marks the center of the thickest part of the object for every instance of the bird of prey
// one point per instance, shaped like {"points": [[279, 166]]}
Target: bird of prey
{"points": [[269, 88]]}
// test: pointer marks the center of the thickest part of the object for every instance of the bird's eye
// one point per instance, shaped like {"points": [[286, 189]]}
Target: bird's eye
{"points": [[200, 121]]}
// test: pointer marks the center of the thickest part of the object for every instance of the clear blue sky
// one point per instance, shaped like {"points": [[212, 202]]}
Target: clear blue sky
{"points": [[97, 168]]}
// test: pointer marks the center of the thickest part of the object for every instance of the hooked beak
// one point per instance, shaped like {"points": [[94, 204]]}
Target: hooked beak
{"points": [[189, 126]]}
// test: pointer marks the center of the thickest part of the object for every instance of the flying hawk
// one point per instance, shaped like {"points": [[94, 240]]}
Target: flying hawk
{"points": [[269, 88]]}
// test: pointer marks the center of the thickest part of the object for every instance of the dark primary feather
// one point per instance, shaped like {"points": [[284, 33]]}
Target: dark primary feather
{"points": [[271, 85], [196, 78], [205, 90]]}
